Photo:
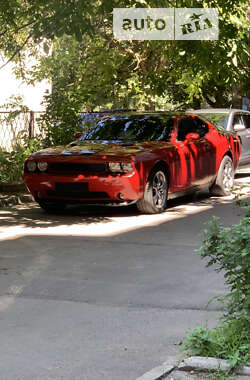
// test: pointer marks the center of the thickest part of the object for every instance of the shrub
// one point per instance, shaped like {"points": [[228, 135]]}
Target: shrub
{"points": [[229, 249], [11, 163], [60, 122]]}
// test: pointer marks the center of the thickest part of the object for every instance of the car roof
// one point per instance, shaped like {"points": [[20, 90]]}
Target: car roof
{"points": [[219, 110], [148, 113]]}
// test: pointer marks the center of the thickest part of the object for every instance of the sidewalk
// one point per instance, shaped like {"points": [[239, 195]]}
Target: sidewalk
{"points": [[194, 368], [11, 195]]}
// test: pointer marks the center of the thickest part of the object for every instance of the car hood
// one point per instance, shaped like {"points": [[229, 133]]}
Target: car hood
{"points": [[84, 148]]}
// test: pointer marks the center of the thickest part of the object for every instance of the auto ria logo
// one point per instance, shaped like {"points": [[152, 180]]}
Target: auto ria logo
{"points": [[166, 23], [196, 24]]}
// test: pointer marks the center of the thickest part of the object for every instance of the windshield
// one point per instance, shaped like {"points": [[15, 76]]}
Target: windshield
{"points": [[135, 128], [217, 119]]}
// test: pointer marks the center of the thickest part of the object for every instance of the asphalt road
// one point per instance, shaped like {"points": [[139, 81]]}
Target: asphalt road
{"points": [[97, 293]]}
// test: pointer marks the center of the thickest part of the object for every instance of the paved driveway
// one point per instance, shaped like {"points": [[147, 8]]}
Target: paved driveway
{"points": [[100, 293]]}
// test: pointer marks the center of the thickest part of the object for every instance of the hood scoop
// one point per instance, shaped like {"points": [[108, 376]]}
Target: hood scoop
{"points": [[66, 153], [86, 152], [80, 152]]}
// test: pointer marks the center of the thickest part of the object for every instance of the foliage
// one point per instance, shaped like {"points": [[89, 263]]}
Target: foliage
{"points": [[15, 106], [60, 122], [228, 341], [229, 249], [202, 69], [11, 163], [90, 69], [84, 80]]}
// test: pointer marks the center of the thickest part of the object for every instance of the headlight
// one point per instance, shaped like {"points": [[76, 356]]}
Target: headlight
{"points": [[127, 168], [31, 166], [117, 167], [42, 166]]}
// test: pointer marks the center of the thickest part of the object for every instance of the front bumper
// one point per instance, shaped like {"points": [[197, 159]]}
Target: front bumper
{"points": [[88, 188]]}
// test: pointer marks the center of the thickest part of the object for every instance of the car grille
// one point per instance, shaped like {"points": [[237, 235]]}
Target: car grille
{"points": [[75, 190], [74, 195], [79, 168]]}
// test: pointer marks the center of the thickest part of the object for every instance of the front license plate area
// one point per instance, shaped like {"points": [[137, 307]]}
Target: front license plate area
{"points": [[72, 187]]}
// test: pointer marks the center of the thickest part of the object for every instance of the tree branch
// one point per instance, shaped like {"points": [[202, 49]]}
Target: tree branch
{"points": [[16, 52], [209, 101], [17, 29]]}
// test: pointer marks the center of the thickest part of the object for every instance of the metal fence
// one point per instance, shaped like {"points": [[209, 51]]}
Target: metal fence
{"points": [[28, 122], [12, 127]]}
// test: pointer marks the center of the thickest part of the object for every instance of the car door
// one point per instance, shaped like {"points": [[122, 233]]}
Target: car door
{"points": [[244, 120], [197, 155]]}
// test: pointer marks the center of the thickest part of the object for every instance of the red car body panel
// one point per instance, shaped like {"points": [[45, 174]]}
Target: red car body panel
{"points": [[190, 164]]}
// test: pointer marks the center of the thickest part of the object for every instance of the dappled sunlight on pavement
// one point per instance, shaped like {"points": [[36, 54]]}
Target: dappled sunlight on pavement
{"points": [[76, 288], [33, 221], [100, 221]]}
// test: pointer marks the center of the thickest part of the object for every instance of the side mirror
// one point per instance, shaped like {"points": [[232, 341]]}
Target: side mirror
{"points": [[238, 127], [77, 135], [192, 137]]}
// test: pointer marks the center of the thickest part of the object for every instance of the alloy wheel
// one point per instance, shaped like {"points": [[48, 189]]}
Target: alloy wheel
{"points": [[228, 176], [159, 188]]}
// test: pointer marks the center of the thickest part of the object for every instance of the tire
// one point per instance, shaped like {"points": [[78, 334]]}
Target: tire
{"points": [[225, 178], [52, 206], [155, 196]]}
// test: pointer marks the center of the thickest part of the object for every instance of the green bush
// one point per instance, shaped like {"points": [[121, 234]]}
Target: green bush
{"points": [[61, 118], [11, 163], [228, 341], [229, 249]]}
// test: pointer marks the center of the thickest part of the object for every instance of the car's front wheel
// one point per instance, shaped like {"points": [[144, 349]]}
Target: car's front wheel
{"points": [[155, 195], [51, 206], [225, 178]]}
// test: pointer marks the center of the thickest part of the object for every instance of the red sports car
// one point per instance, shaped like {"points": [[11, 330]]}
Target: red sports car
{"points": [[142, 158]]}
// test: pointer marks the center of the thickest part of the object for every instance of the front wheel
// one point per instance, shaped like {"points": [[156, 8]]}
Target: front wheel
{"points": [[155, 196], [225, 178]]}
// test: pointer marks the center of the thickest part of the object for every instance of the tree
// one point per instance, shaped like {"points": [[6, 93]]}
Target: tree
{"points": [[89, 68]]}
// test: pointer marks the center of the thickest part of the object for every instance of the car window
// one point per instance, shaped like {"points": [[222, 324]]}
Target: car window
{"points": [[237, 119], [131, 128], [191, 125], [246, 120], [217, 119]]}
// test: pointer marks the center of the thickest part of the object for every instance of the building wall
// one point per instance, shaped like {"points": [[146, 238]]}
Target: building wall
{"points": [[10, 85], [32, 98]]}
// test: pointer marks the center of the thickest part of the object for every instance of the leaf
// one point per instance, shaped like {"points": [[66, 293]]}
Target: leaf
{"points": [[235, 61], [46, 47]]}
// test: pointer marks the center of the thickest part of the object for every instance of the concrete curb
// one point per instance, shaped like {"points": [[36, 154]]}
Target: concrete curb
{"points": [[212, 364], [191, 364], [7, 200], [13, 188], [14, 194], [158, 372]]}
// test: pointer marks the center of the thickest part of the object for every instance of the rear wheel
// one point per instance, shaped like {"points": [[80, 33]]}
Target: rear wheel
{"points": [[51, 206], [225, 178], [155, 196]]}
